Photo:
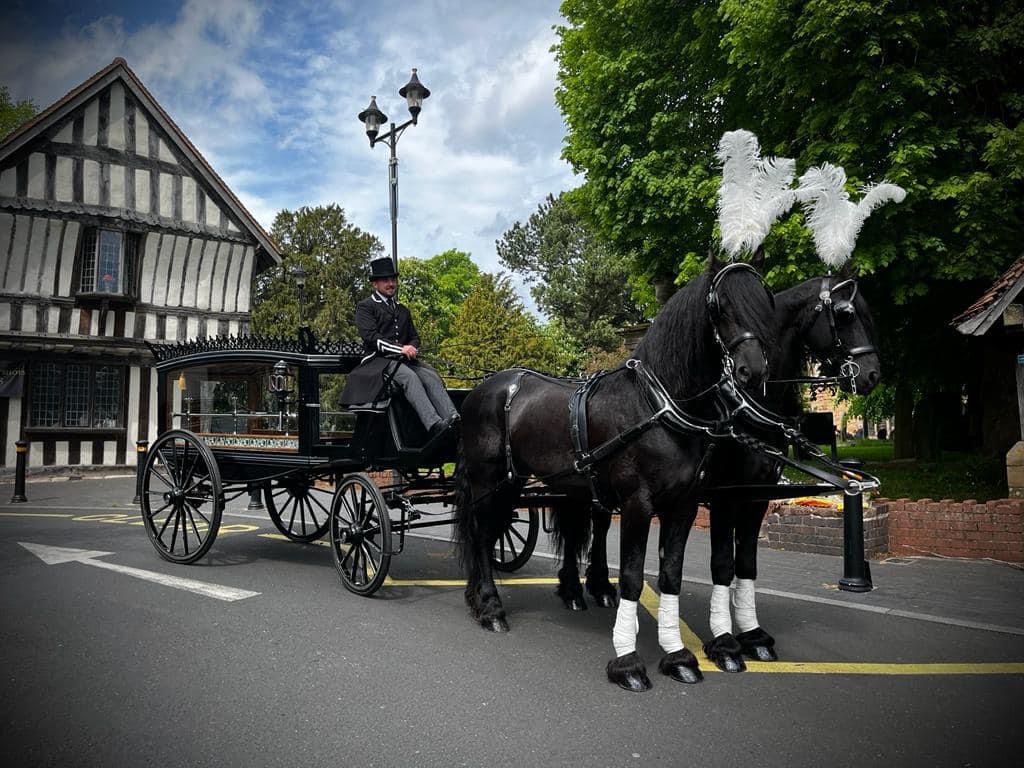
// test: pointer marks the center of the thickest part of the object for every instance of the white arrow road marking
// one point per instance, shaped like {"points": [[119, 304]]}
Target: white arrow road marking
{"points": [[56, 555]]}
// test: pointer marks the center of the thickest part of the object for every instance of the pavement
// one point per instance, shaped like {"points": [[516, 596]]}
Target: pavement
{"points": [[102, 666], [978, 594]]}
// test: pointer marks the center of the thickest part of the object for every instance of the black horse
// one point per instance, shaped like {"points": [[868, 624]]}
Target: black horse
{"points": [[517, 425], [831, 321], [820, 317]]}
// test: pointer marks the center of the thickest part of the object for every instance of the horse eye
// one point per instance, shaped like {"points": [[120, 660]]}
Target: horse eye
{"points": [[845, 308]]}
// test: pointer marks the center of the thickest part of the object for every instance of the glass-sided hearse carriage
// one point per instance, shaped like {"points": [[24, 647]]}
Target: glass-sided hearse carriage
{"points": [[237, 414]]}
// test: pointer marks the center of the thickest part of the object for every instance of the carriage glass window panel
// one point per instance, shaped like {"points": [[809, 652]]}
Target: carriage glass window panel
{"points": [[231, 405], [108, 261]]}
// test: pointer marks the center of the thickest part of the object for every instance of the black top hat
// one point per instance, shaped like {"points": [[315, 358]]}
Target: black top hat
{"points": [[381, 268]]}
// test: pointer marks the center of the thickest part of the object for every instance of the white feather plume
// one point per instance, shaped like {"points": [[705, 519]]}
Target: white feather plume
{"points": [[832, 217], [754, 192]]}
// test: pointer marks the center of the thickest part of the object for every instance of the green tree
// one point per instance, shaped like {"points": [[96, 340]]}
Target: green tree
{"points": [[13, 114], [574, 275], [493, 331], [434, 290], [334, 255], [928, 95]]}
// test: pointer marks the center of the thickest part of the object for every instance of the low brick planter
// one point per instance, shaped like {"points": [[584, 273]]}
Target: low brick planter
{"points": [[820, 529], [993, 529]]}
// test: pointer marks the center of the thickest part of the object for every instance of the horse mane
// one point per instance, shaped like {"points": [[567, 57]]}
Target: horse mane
{"points": [[680, 346]]}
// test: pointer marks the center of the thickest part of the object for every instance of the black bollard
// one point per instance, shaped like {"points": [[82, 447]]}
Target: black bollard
{"points": [[255, 498], [856, 573], [21, 451], [141, 449]]}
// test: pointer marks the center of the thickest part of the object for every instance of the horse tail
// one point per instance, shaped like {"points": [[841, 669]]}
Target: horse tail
{"points": [[569, 526], [464, 532]]}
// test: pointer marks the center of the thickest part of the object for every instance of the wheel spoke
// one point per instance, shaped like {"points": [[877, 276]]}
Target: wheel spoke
{"points": [[312, 513], [199, 512], [166, 481], [156, 512], [195, 528], [166, 521], [301, 504], [513, 531], [174, 533], [370, 565], [511, 546], [170, 467], [196, 484], [317, 501]]}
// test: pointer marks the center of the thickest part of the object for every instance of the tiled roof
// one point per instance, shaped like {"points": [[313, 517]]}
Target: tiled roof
{"points": [[978, 318], [24, 132]]}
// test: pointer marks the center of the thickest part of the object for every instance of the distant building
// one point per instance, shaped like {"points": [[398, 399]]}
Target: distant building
{"points": [[113, 229]]}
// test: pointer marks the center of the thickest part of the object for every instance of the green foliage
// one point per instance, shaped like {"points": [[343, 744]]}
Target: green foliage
{"points": [[13, 114], [434, 290], [929, 95], [575, 277], [879, 405], [493, 331], [334, 254]]}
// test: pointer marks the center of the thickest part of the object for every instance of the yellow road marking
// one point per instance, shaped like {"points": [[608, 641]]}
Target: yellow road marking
{"points": [[649, 599], [31, 514]]}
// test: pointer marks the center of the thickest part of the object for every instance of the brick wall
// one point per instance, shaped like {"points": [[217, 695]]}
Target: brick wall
{"points": [[957, 529], [820, 530], [993, 529]]}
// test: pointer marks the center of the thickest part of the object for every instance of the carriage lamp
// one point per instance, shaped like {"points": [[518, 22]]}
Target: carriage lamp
{"points": [[414, 92], [298, 274]]}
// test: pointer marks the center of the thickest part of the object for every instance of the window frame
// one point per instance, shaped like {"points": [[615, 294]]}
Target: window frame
{"points": [[89, 257], [62, 376]]}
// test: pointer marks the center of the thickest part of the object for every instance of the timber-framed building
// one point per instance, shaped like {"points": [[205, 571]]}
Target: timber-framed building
{"points": [[113, 230]]}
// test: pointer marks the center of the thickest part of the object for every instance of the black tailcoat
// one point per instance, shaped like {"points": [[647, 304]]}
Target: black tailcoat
{"points": [[385, 327]]}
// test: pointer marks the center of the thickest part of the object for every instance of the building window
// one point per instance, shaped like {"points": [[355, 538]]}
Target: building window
{"points": [[75, 395], [108, 262]]}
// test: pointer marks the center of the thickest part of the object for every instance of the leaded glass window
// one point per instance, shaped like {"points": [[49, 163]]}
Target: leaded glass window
{"points": [[75, 395], [108, 261]]}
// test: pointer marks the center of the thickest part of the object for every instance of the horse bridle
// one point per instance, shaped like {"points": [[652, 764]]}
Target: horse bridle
{"points": [[832, 307], [715, 313]]}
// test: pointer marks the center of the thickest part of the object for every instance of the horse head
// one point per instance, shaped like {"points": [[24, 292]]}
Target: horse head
{"points": [[740, 308], [841, 336]]}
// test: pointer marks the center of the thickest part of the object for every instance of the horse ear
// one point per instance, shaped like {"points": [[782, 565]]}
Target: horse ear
{"points": [[757, 260], [713, 263]]}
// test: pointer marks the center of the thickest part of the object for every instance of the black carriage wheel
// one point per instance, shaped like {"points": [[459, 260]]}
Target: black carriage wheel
{"points": [[516, 543], [360, 534], [181, 496], [299, 508]]}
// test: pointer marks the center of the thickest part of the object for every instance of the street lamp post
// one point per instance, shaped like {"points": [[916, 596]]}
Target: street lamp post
{"points": [[414, 92]]}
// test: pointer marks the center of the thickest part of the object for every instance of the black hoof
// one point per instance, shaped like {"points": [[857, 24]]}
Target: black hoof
{"points": [[575, 603], [758, 644], [628, 672], [682, 666], [605, 595], [494, 624], [726, 653]]}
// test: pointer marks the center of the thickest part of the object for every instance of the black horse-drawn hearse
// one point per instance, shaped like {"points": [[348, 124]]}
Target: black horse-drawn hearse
{"points": [[243, 413]]}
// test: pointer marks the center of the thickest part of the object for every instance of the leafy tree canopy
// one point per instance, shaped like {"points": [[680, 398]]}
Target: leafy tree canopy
{"points": [[335, 256], [13, 114], [434, 290], [926, 94], [493, 331], [574, 275]]}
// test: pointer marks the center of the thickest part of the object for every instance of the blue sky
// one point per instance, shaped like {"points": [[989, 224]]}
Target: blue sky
{"points": [[269, 92]]}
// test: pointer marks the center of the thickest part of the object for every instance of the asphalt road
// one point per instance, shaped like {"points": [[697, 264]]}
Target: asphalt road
{"points": [[103, 668]]}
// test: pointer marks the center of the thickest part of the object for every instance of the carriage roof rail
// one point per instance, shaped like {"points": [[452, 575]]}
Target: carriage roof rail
{"points": [[164, 352]]}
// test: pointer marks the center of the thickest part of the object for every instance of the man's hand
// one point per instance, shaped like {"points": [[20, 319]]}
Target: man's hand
{"points": [[409, 351]]}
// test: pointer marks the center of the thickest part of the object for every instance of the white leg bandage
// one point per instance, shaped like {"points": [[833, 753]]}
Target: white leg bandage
{"points": [[743, 604], [626, 627], [721, 618], [668, 624]]}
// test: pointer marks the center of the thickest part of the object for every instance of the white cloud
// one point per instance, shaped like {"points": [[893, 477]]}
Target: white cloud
{"points": [[269, 94]]}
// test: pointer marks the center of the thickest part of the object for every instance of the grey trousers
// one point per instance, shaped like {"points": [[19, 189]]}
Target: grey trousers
{"points": [[425, 392]]}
